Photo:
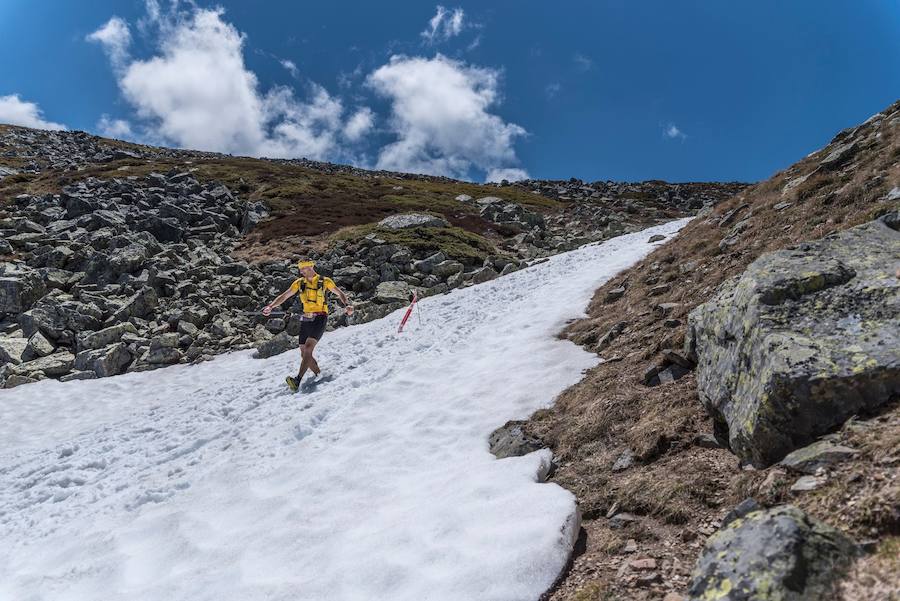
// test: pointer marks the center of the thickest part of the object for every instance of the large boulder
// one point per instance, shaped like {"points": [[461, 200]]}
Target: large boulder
{"points": [[20, 287], [13, 350], [53, 365], [805, 338], [278, 344], [410, 220], [104, 337], [779, 553], [392, 292], [106, 361]]}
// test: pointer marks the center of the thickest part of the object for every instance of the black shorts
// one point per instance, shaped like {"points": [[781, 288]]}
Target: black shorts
{"points": [[313, 328]]}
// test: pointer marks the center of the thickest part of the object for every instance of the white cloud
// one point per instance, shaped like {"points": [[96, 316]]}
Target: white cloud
{"points": [[511, 174], [359, 124], [671, 131], [444, 25], [198, 93], [439, 113], [291, 67], [583, 62], [114, 128], [15, 111], [552, 89], [115, 37]]}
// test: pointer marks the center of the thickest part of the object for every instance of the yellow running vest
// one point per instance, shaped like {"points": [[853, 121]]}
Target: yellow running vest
{"points": [[311, 295]]}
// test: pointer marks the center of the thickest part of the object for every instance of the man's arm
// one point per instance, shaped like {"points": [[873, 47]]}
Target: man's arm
{"points": [[280, 299], [344, 299]]}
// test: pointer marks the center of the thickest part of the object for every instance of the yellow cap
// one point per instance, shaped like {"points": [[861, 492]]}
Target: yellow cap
{"points": [[302, 264]]}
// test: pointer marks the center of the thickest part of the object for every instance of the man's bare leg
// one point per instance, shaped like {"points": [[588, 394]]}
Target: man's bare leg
{"points": [[307, 361]]}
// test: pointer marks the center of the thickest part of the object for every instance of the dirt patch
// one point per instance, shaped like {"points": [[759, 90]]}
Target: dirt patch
{"points": [[679, 488]]}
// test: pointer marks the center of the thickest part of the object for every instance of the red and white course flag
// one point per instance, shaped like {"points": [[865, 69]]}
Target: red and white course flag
{"points": [[408, 312]]}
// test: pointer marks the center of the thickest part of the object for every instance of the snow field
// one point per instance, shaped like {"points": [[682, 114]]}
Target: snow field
{"points": [[214, 482]]}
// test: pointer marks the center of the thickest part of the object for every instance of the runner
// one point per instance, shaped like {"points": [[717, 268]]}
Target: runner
{"points": [[311, 287]]}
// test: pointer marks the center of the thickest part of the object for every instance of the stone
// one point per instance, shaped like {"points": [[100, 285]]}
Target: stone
{"points": [[56, 364], [392, 292], [426, 264], [625, 461], [779, 553], [614, 294], [482, 275], [411, 220], [165, 355], [464, 198], [807, 483], [659, 289], [107, 361], [278, 344], [643, 563], [128, 259], [12, 350], [811, 458], [805, 338], [445, 269], [78, 375], [20, 288], [189, 329], [621, 520], [17, 380], [141, 304], [105, 337], [510, 440], [39, 346], [656, 238], [742, 509], [839, 155]]}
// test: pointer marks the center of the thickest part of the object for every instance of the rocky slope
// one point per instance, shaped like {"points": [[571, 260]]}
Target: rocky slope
{"points": [[120, 257], [748, 364]]}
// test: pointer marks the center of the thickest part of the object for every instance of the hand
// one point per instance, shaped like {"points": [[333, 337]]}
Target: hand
{"points": [[266, 310], [349, 309]]}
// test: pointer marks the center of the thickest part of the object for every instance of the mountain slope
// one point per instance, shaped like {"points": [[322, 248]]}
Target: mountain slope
{"points": [[630, 445]]}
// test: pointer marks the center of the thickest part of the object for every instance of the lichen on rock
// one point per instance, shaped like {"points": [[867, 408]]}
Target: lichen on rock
{"points": [[805, 338]]}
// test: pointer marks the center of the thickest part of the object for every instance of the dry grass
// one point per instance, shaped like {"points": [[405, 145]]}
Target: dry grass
{"points": [[610, 409]]}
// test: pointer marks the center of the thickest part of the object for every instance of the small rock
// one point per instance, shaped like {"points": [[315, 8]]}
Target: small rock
{"points": [[643, 563], [812, 457], [614, 294], [625, 461], [807, 483], [656, 238]]}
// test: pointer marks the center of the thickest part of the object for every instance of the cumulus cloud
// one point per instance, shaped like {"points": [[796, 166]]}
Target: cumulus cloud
{"points": [[15, 111], [198, 93], [359, 124], [439, 114], [511, 174], [115, 37], [671, 131], [444, 25], [114, 128]]}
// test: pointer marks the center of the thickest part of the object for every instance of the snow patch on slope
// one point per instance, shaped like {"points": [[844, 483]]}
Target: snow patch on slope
{"points": [[212, 482]]}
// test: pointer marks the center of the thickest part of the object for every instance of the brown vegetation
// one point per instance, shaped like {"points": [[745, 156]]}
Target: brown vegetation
{"points": [[676, 479]]}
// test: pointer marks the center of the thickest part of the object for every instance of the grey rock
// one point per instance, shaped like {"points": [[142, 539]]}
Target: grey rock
{"points": [[445, 269], [839, 155], [12, 350], [392, 292], [107, 361], [105, 337], [78, 375], [807, 483], [277, 345], [779, 553], [165, 355], [656, 238], [56, 364], [485, 274], [39, 346], [410, 220], [817, 455], [624, 461], [17, 380], [802, 340], [141, 304], [20, 288], [614, 294], [426, 264], [741, 510], [510, 440]]}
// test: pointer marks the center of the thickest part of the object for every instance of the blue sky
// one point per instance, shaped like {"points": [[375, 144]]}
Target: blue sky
{"points": [[623, 90]]}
